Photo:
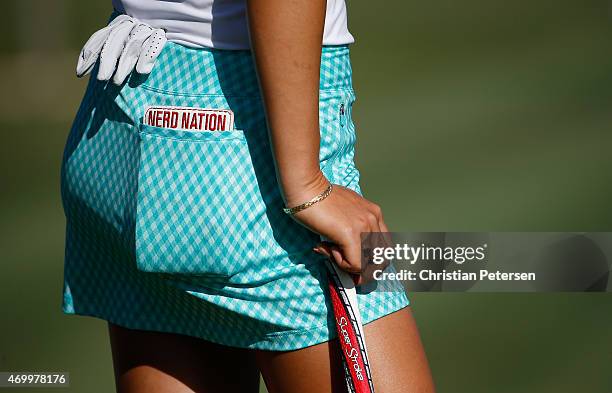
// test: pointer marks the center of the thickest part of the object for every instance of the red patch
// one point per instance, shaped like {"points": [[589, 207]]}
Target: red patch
{"points": [[189, 119]]}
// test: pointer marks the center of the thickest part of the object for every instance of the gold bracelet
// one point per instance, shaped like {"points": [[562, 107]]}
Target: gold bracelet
{"points": [[305, 205]]}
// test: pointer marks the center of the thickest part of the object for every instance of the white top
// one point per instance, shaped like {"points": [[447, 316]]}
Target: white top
{"points": [[219, 23]]}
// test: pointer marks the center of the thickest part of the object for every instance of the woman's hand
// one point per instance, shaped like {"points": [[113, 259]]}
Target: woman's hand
{"points": [[286, 38], [342, 217]]}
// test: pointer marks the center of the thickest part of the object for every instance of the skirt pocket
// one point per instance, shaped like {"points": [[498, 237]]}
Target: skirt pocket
{"points": [[198, 202]]}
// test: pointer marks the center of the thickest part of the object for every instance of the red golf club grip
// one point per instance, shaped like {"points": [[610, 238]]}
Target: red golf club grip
{"points": [[356, 366]]}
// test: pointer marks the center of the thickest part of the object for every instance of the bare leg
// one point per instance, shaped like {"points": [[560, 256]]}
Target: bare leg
{"points": [[153, 362], [314, 369], [396, 355]]}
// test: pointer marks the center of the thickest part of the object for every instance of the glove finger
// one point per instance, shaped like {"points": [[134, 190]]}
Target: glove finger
{"points": [[151, 49], [131, 52], [91, 50], [112, 49]]}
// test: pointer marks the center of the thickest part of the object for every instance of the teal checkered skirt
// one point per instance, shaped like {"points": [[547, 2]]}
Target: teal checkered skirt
{"points": [[182, 231]]}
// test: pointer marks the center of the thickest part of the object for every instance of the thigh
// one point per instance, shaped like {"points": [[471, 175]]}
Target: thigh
{"points": [[146, 361], [396, 355]]}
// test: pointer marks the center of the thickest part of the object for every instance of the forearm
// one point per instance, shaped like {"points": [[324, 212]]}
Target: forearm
{"points": [[286, 38]]}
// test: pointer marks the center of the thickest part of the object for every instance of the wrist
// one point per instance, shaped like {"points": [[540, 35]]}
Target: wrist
{"points": [[298, 192]]}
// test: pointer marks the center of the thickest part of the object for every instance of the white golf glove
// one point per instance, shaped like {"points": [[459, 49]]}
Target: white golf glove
{"points": [[125, 42]]}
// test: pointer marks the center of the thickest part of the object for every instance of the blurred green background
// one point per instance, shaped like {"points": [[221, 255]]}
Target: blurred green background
{"points": [[474, 115]]}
